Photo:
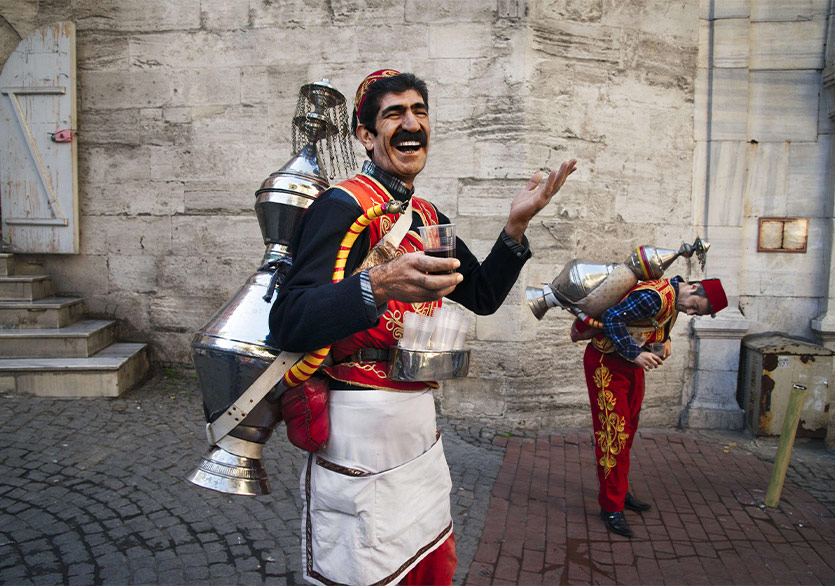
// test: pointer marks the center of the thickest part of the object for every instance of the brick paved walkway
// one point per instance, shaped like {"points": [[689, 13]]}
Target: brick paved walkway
{"points": [[708, 524]]}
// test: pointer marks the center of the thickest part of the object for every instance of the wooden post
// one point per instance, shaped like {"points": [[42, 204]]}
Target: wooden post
{"points": [[784, 448]]}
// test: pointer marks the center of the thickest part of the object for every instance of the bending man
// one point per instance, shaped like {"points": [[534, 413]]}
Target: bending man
{"points": [[614, 363]]}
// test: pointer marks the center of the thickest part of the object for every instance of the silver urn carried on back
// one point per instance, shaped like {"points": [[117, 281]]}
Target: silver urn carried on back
{"points": [[234, 347], [587, 289]]}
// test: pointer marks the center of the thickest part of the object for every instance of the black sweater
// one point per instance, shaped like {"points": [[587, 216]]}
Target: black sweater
{"points": [[311, 312]]}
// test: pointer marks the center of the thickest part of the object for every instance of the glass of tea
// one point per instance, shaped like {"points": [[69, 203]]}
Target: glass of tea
{"points": [[439, 241], [656, 348]]}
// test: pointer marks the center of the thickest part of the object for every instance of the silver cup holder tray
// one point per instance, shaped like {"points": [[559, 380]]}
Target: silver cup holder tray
{"points": [[427, 365]]}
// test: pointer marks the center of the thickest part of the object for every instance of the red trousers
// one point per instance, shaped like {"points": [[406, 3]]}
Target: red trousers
{"points": [[436, 568], [616, 391]]}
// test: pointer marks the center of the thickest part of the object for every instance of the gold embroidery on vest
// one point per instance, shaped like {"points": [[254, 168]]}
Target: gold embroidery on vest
{"points": [[426, 215], [386, 224], [651, 328], [424, 307], [394, 323], [406, 246], [375, 186], [370, 367], [393, 318], [611, 439]]}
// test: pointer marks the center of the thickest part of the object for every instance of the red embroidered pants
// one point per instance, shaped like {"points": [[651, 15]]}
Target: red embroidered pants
{"points": [[436, 568], [616, 391]]}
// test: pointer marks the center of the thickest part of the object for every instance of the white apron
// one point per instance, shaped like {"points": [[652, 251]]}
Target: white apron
{"points": [[376, 500]]}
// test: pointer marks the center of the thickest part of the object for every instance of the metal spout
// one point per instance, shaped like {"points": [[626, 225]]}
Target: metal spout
{"points": [[225, 472], [540, 300], [699, 248]]}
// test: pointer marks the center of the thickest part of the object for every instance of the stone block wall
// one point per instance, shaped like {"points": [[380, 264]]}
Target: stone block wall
{"points": [[762, 145], [775, 51], [613, 87], [768, 150], [186, 107]]}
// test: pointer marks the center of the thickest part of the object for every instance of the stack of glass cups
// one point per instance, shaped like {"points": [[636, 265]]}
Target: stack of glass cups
{"points": [[445, 330]]}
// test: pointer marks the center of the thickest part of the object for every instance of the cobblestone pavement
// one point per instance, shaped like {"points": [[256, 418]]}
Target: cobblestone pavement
{"points": [[92, 491]]}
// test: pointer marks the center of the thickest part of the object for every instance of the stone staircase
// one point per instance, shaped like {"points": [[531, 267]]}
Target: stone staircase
{"points": [[47, 348]]}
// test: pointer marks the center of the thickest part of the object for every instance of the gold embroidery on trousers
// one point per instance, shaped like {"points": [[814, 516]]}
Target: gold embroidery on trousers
{"points": [[611, 439]]}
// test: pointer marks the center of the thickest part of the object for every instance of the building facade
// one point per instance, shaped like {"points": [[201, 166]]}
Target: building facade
{"points": [[687, 118]]}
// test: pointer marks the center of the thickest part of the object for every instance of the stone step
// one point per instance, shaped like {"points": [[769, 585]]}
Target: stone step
{"points": [[6, 264], [25, 287], [79, 340], [51, 312], [110, 373]]}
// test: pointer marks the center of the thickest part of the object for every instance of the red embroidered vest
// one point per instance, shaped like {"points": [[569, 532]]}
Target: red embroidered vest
{"points": [[368, 192], [649, 329]]}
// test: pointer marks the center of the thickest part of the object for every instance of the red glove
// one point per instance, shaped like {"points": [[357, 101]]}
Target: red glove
{"points": [[305, 412], [580, 326], [580, 330]]}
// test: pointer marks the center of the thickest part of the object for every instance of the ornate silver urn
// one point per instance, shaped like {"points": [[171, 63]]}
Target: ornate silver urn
{"points": [[588, 289], [234, 348]]}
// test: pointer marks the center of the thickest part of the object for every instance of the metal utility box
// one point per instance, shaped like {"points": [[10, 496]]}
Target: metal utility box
{"points": [[770, 364]]}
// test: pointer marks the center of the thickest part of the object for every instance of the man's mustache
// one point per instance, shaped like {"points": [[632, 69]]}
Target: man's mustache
{"points": [[407, 135]]}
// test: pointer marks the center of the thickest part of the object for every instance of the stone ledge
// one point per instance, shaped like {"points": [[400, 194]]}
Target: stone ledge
{"points": [[698, 417], [110, 373], [727, 325]]}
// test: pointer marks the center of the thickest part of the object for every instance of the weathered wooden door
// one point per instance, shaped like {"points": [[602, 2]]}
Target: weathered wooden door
{"points": [[38, 162]]}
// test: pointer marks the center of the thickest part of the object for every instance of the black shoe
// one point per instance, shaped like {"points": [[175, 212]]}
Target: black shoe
{"points": [[617, 523], [634, 504]]}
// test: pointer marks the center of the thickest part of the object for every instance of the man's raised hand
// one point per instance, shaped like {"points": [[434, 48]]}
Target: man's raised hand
{"points": [[535, 196]]}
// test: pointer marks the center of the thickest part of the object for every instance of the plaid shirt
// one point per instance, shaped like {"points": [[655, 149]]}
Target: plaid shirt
{"points": [[394, 185], [638, 305]]}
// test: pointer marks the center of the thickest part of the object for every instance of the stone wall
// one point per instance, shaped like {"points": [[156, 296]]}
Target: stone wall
{"points": [[612, 86], [763, 141], [186, 107], [769, 148]]}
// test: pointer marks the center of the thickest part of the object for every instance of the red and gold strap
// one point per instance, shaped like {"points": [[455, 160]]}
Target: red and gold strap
{"points": [[304, 369]]}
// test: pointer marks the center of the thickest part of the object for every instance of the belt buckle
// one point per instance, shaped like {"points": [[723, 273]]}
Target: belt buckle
{"points": [[370, 355]]}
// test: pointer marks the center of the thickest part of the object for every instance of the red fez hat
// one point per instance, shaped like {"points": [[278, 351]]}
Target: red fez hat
{"points": [[359, 99], [715, 294]]}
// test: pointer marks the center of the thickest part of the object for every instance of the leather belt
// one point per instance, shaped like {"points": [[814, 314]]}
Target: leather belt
{"points": [[368, 355]]}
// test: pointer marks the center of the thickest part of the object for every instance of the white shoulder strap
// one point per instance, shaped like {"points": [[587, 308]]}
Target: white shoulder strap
{"points": [[230, 418], [236, 413], [401, 227]]}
